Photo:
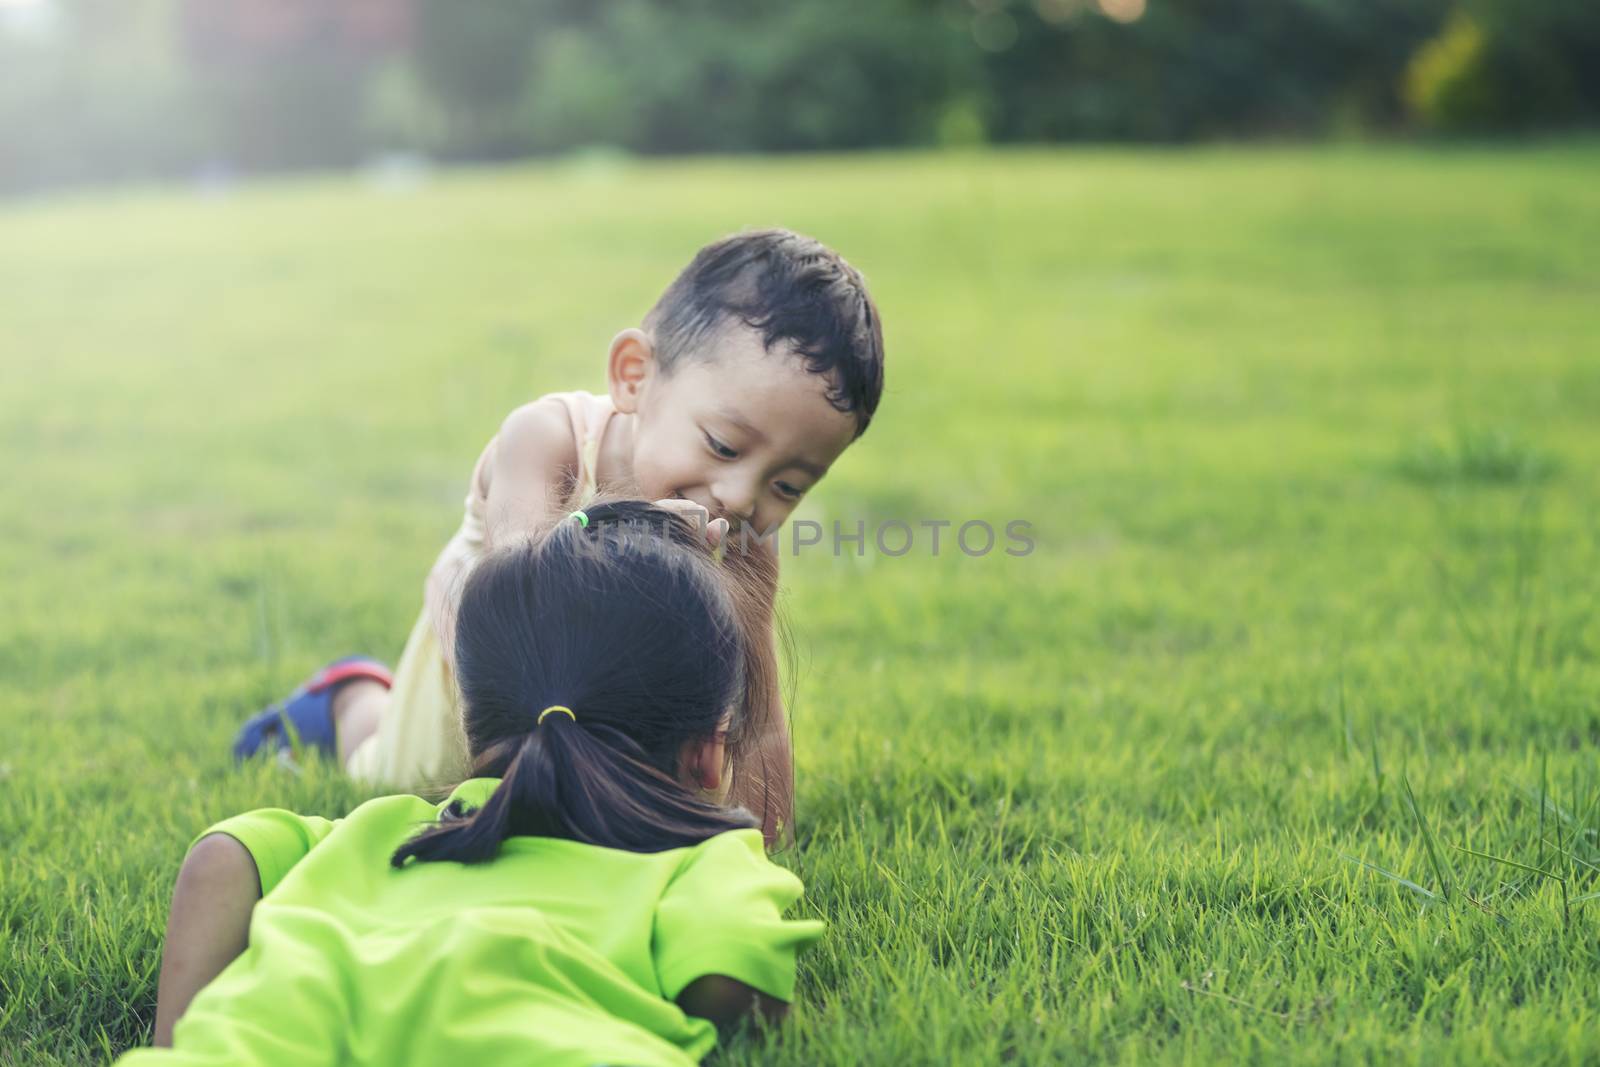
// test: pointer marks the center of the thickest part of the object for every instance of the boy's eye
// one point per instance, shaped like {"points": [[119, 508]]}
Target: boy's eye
{"points": [[719, 448], [789, 492]]}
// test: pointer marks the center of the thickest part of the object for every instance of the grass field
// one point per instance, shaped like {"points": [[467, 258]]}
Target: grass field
{"points": [[1308, 443]]}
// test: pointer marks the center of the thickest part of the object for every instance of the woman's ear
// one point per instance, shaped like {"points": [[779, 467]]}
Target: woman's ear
{"points": [[701, 764], [630, 366]]}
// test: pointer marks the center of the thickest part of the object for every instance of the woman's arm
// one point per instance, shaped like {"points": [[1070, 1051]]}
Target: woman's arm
{"points": [[208, 927], [728, 1002]]}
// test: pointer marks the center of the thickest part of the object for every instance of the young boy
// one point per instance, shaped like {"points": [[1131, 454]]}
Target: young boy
{"points": [[760, 364]]}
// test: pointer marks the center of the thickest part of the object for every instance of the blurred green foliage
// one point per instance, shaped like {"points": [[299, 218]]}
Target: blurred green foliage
{"points": [[155, 88], [1447, 83], [761, 75], [1509, 65]]}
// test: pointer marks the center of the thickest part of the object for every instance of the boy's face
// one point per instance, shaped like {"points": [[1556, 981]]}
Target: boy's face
{"points": [[741, 431]]}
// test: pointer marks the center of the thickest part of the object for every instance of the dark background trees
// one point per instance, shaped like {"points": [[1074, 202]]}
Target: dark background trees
{"points": [[136, 89]]}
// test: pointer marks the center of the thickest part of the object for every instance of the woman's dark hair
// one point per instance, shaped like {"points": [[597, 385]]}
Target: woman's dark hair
{"points": [[626, 621], [791, 289]]}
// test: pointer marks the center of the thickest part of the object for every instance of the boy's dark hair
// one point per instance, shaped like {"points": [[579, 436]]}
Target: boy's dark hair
{"points": [[789, 288], [627, 622]]}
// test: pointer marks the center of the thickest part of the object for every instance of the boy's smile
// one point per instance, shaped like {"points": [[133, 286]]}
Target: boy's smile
{"points": [[741, 431]]}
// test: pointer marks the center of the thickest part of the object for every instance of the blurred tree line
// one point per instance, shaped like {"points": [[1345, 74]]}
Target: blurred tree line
{"points": [[118, 89]]}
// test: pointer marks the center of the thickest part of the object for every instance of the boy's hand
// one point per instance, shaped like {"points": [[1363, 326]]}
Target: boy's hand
{"points": [[715, 529]]}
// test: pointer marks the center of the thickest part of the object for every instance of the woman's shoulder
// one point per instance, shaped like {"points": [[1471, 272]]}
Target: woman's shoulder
{"points": [[720, 856], [733, 842], [728, 854], [396, 809]]}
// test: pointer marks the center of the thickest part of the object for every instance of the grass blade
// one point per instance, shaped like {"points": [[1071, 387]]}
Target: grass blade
{"points": [[1441, 868], [1578, 859], [1566, 905], [1408, 883], [1377, 765], [1509, 863], [1544, 792]]}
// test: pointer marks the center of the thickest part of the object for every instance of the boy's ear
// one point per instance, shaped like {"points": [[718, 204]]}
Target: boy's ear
{"points": [[629, 368]]}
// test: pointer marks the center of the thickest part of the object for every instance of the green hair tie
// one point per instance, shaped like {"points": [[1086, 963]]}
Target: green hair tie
{"points": [[583, 520]]}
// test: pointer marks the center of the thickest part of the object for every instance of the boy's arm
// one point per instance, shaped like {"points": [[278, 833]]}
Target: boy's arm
{"points": [[766, 786], [533, 457], [209, 925], [524, 473]]}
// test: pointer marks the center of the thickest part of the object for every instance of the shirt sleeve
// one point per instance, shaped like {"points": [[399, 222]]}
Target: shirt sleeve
{"points": [[276, 839], [723, 914]]}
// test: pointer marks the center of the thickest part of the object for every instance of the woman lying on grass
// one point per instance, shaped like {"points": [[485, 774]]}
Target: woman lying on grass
{"points": [[581, 902]]}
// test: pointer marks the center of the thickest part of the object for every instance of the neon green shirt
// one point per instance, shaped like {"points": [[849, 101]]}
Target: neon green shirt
{"points": [[552, 953]]}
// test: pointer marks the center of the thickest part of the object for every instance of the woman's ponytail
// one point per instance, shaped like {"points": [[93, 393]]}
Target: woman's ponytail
{"points": [[475, 836]]}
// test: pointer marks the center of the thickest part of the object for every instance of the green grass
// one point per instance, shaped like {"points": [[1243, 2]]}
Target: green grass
{"points": [[1307, 439]]}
